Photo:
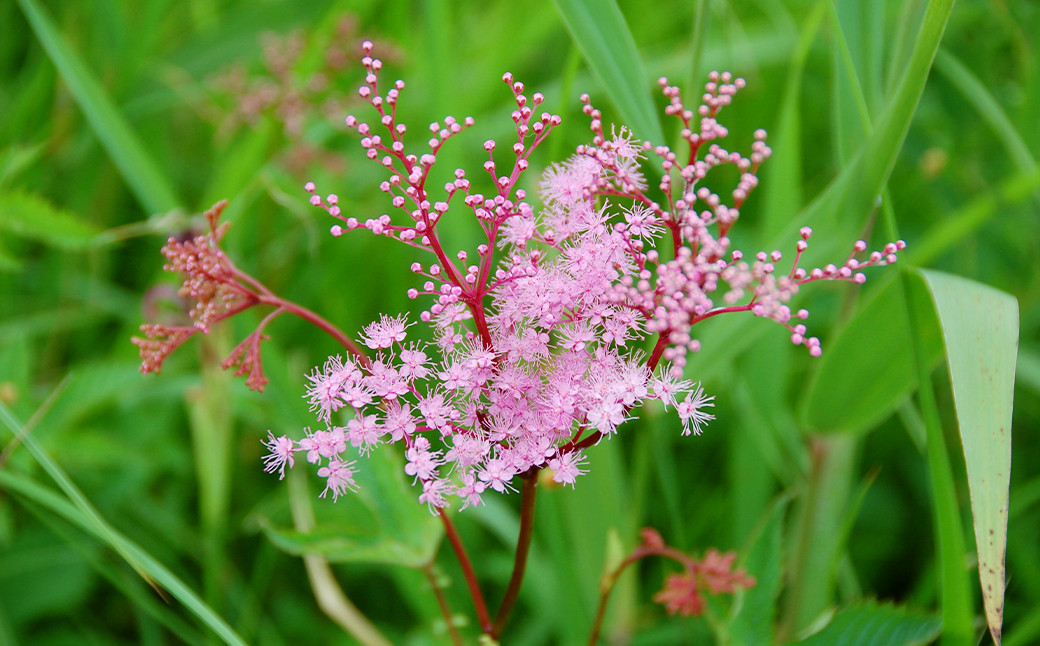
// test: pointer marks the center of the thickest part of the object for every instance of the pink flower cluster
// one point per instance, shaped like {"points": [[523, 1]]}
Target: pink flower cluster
{"points": [[536, 337]]}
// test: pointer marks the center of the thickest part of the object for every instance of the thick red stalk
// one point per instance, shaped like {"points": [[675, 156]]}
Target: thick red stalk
{"points": [[523, 548], [467, 571]]}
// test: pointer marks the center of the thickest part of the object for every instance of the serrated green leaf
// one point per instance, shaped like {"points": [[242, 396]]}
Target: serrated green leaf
{"points": [[31, 216], [873, 624], [16, 158], [868, 369], [337, 544], [599, 30], [980, 327]]}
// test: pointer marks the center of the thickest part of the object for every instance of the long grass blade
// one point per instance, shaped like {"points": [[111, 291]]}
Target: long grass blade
{"points": [[600, 32], [159, 573], [149, 185]]}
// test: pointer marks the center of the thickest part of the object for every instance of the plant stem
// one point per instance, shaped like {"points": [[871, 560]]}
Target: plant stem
{"points": [[467, 571], [327, 591], [523, 548], [431, 576], [318, 321], [601, 610]]}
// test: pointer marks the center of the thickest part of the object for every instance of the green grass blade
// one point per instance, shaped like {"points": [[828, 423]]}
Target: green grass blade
{"points": [[817, 541], [782, 176], [980, 325], [143, 598], [162, 576], [601, 33], [753, 625], [849, 106], [990, 112], [148, 184]]}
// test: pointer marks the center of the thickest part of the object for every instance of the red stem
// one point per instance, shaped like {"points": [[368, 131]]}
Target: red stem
{"points": [[467, 571], [317, 320], [523, 548], [610, 581]]}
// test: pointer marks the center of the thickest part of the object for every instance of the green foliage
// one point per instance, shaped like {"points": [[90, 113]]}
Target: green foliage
{"points": [[874, 624], [380, 524], [837, 399], [838, 479], [980, 326]]}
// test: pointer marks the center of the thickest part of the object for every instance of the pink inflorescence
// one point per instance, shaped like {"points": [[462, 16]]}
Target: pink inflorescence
{"points": [[218, 290], [537, 332]]}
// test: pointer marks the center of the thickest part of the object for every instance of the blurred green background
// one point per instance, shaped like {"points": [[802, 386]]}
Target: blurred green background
{"points": [[121, 121]]}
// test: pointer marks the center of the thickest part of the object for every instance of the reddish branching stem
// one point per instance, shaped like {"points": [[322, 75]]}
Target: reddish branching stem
{"points": [[684, 592], [220, 290]]}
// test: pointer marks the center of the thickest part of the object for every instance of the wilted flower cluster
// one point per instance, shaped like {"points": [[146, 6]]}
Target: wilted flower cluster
{"points": [[537, 336], [216, 287]]}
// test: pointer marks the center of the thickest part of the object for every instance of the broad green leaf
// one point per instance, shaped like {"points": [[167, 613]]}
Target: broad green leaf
{"points": [[980, 326], [142, 174], [868, 369], [954, 584], [601, 33], [874, 624], [32, 216], [396, 528]]}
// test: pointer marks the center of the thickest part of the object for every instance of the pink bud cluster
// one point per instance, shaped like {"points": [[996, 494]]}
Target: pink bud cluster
{"points": [[536, 334], [218, 291]]}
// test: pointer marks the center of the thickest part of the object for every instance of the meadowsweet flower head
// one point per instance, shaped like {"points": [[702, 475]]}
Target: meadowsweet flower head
{"points": [[566, 318]]}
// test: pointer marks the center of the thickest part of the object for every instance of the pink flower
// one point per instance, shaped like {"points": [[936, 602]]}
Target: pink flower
{"points": [[385, 332], [540, 333], [690, 411], [566, 467], [364, 432], [281, 453], [339, 478], [422, 463], [497, 474], [470, 490], [329, 384], [434, 492]]}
